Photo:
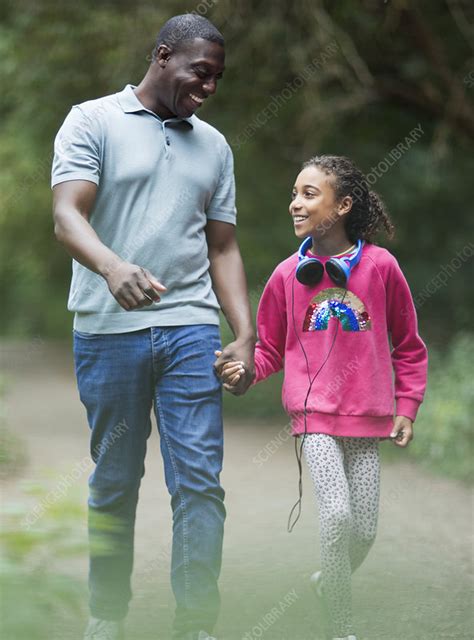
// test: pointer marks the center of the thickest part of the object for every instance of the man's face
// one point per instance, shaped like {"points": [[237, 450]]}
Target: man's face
{"points": [[189, 75]]}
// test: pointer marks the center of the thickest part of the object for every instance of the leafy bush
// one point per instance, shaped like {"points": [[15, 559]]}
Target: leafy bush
{"points": [[443, 431], [34, 592]]}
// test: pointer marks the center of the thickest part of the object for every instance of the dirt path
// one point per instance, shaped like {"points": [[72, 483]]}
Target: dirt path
{"points": [[416, 584]]}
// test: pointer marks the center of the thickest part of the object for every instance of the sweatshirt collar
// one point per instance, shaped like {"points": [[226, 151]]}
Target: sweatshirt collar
{"points": [[336, 255]]}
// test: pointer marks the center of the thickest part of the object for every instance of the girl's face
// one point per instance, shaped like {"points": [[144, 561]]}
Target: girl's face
{"points": [[313, 207]]}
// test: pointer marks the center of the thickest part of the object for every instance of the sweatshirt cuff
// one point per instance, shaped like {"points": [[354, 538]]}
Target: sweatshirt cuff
{"points": [[407, 407]]}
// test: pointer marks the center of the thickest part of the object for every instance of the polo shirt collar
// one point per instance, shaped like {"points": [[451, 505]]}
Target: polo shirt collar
{"points": [[131, 104]]}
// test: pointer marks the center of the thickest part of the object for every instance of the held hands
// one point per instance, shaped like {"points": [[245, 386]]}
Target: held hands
{"points": [[235, 367], [231, 373], [133, 286], [402, 432]]}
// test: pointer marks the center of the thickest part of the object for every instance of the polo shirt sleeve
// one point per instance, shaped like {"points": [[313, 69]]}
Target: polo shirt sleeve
{"points": [[77, 149], [222, 204]]}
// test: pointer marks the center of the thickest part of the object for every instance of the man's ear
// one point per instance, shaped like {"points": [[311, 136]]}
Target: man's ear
{"points": [[162, 55]]}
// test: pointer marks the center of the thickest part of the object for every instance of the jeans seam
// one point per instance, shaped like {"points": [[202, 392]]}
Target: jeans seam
{"points": [[181, 498], [162, 429]]}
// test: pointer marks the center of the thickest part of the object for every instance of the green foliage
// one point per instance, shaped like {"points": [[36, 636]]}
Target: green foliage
{"points": [[39, 537], [444, 436], [12, 454], [34, 592]]}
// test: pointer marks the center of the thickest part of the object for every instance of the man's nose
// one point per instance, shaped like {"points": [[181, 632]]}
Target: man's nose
{"points": [[210, 86]]}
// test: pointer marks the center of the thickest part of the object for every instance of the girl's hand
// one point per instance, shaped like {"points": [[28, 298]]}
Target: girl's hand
{"points": [[230, 372], [240, 351], [402, 432]]}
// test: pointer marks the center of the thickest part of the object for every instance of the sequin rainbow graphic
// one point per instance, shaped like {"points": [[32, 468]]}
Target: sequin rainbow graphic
{"points": [[337, 303]]}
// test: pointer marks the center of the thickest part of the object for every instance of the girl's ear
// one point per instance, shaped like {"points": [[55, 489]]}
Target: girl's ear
{"points": [[345, 205]]}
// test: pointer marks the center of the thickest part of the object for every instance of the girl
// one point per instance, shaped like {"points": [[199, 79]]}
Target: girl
{"points": [[327, 316]]}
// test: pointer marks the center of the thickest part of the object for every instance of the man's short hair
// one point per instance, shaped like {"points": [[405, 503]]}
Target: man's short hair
{"points": [[186, 27]]}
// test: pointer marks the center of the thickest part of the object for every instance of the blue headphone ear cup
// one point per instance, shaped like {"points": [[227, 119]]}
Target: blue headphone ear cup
{"points": [[309, 271], [338, 271]]}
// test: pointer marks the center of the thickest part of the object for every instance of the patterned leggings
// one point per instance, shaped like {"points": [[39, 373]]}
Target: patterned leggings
{"points": [[346, 477]]}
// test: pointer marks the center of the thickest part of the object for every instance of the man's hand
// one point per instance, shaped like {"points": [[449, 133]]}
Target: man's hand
{"points": [[402, 432], [133, 286], [242, 352]]}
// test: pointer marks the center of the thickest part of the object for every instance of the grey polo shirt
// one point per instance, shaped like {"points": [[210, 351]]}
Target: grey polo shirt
{"points": [[159, 182]]}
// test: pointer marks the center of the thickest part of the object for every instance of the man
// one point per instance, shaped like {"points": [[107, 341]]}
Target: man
{"points": [[144, 201]]}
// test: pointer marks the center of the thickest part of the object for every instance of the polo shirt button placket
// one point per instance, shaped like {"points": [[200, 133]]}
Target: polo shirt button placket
{"points": [[166, 138]]}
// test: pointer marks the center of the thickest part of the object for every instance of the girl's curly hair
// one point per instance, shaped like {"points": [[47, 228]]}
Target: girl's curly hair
{"points": [[368, 214]]}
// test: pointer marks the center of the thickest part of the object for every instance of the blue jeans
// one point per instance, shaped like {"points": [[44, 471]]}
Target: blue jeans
{"points": [[120, 378]]}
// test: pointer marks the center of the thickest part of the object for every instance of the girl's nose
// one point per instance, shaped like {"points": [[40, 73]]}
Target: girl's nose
{"points": [[294, 204]]}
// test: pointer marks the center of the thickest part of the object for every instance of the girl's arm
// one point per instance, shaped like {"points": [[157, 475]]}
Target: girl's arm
{"points": [[409, 354], [271, 328]]}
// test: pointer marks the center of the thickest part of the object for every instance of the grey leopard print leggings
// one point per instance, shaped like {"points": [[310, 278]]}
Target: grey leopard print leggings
{"points": [[346, 477]]}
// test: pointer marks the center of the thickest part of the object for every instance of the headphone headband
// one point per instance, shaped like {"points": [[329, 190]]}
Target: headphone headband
{"points": [[304, 247], [310, 270]]}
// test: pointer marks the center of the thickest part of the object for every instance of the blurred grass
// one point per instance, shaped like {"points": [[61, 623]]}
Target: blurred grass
{"points": [[444, 435], [12, 453], [34, 591], [40, 539]]}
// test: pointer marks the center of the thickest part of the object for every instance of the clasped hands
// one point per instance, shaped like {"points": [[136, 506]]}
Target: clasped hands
{"points": [[236, 374]]}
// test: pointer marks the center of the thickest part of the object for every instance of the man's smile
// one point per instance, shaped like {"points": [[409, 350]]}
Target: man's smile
{"points": [[196, 99]]}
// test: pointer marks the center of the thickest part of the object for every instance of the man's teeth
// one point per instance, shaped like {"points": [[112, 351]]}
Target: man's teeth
{"points": [[299, 218], [196, 98]]}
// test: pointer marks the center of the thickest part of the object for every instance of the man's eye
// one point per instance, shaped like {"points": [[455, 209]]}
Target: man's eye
{"points": [[200, 73]]}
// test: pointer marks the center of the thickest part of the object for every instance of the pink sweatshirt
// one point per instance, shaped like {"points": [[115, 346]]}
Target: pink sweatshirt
{"points": [[356, 390]]}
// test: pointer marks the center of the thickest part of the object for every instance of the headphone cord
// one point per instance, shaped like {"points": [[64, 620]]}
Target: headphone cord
{"points": [[299, 450]]}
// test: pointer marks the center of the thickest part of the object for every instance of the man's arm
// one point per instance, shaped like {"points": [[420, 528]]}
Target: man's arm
{"points": [[230, 285], [131, 285]]}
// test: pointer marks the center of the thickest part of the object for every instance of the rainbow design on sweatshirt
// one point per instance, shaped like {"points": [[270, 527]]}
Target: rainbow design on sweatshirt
{"points": [[337, 303]]}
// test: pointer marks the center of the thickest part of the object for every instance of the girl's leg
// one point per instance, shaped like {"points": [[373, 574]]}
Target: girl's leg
{"points": [[362, 468], [325, 458]]}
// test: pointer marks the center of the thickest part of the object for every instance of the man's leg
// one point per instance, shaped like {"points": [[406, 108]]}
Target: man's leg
{"points": [[188, 405], [115, 380]]}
